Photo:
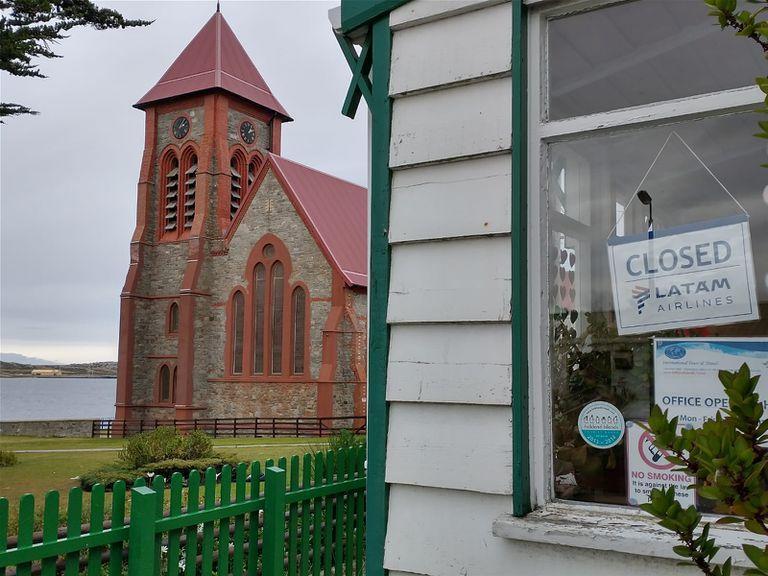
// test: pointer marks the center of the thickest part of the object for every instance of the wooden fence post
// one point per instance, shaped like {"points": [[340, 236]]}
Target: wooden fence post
{"points": [[274, 521], [141, 533]]}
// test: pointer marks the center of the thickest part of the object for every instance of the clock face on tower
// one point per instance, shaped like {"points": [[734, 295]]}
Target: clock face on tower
{"points": [[180, 127], [247, 132]]}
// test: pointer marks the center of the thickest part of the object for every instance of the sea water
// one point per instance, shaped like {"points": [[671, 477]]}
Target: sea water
{"points": [[56, 398]]}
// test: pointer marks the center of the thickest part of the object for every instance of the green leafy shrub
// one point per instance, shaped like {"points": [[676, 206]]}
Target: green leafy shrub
{"points": [[166, 468], [165, 444], [196, 445], [8, 458], [107, 476], [162, 451], [729, 459], [345, 439], [159, 444]]}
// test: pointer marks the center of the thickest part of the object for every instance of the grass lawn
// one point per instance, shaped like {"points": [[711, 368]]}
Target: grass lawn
{"points": [[40, 472], [34, 443]]}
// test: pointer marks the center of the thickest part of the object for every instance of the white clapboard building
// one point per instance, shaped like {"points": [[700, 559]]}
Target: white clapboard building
{"points": [[508, 144]]}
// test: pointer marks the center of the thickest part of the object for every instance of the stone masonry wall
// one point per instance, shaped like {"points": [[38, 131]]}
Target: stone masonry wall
{"points": [[248, 400], [48, 428], [151, 340], [270, 212], [350, 351], [154, 413], [161, 273], [358, 302]]}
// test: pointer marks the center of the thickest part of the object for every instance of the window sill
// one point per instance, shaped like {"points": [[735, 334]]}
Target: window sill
{"points": [[627, 531]]}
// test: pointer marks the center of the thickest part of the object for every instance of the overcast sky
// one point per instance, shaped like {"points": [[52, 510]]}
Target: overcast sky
{"points": [[68, 176]]}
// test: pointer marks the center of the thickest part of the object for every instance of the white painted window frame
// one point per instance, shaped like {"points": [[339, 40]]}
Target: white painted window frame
{"points": [[541, 133]]}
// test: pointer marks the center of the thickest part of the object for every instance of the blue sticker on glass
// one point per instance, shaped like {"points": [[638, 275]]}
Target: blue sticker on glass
{"points": [[601, 425]]}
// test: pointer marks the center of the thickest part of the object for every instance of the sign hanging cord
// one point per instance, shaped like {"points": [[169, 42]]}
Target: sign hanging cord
{"points": [[656, 159]]}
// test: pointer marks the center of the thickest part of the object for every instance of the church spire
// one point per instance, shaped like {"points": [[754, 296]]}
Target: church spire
{"points": [[214, 60]]}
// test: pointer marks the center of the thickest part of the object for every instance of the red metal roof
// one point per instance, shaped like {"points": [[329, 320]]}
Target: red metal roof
{"points": [[214, 59], [336, 213]]}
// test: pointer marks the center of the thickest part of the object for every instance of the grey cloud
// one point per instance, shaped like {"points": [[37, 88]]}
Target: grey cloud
{"points": [[68, 201]]}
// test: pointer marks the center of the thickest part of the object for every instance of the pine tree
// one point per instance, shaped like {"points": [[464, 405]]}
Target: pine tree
{"points": [[28, 28]]}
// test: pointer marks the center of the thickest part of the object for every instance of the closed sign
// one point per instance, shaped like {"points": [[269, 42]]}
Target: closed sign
{"points": [[695, 275]]}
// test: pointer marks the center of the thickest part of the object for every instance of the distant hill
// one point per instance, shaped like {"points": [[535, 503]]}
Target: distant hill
{"points": [[21, 359], [93, 369]]}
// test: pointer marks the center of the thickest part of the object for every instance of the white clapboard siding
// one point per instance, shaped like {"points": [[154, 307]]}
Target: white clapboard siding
{"points": [[451, 281], [465, 198], [448, 533], [419, 12], [458, 49], [462, 363], [453, 123], [437, 445]]}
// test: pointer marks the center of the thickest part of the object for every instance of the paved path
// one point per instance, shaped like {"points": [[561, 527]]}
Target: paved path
{"points": [[117, 449]]}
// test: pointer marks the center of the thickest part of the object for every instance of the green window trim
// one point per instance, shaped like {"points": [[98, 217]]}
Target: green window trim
{"points": [[356, 13], [378, 46], [378, 283], [521, 462], [374, 61], [360, 85]]}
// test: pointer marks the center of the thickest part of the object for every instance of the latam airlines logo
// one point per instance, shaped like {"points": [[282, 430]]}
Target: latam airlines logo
{"points": [[699, 274], [641, 294]]}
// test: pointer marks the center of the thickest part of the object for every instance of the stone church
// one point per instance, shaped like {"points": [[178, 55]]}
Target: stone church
{"points": [[247, 287]]}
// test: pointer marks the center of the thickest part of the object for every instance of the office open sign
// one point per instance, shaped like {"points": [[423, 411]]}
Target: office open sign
{"points": [[700, 274]]}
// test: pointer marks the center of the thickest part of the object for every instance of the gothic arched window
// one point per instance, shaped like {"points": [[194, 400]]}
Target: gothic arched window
{"points": [[253, 169], [170, 195], [276, 317], [268, 319], [164, 384], [259, 301], [238, 326], [173, 318], [298, 321]]}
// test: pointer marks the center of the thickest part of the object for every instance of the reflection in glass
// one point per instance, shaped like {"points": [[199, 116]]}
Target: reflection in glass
{"points": [[640, 52], [590, 185]]}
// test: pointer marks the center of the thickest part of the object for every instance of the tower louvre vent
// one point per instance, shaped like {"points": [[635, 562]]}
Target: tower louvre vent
{"points": [[235, 190], [171, 194], [190, 181]]}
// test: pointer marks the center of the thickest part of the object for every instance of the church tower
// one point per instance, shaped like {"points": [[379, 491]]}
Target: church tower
{"points": [[212, 141]]}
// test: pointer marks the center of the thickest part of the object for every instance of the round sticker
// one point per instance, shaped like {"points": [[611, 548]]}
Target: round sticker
{"points": [[601, 425]]}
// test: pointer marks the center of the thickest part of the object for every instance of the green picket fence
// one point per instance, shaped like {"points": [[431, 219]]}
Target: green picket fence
{"points": [[308, 520]]}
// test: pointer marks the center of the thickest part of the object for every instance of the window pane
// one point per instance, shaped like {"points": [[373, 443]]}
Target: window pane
{"points": [[277, 318], [590, 185], [298, 314], [174, 320], [259, 294], [640, 52], [165, 384], [237, 332]]}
